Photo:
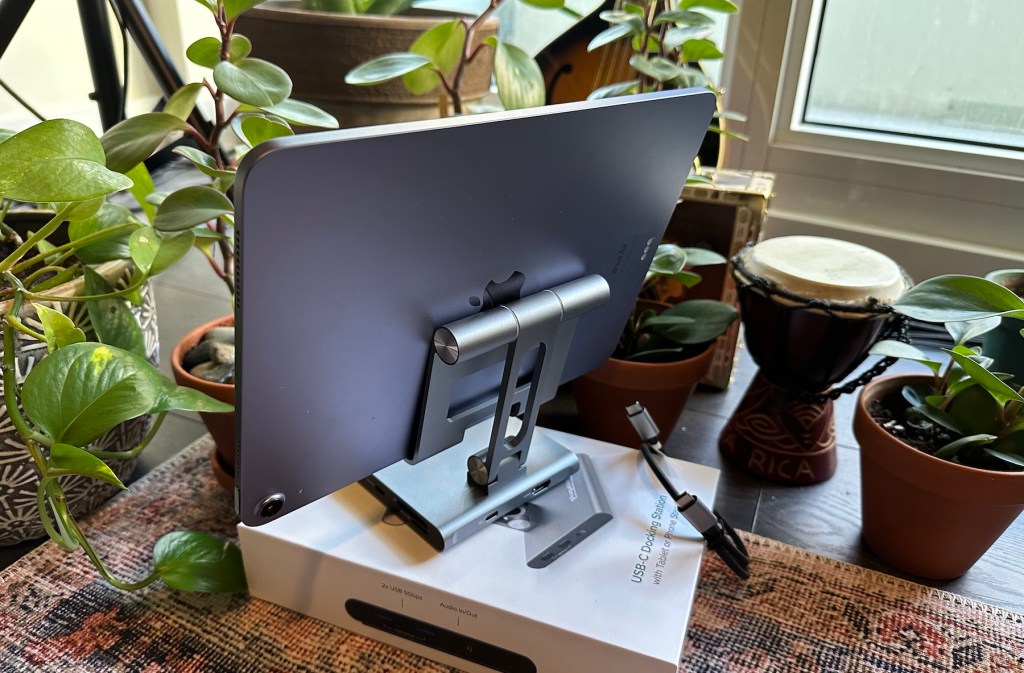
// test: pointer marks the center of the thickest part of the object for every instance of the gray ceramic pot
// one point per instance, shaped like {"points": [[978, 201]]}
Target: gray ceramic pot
{"points": [[19, 518]]}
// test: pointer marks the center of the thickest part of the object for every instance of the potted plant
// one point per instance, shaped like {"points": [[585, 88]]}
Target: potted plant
{"points": [[942, 455], [251, 97], [90, 373], [318, 41], [441, 58], [664, 351]]}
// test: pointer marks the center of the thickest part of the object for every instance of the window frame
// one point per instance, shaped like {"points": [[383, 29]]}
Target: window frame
{"points": [[871, 184]]}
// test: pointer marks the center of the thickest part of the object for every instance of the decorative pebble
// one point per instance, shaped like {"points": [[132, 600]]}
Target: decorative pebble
{"points": [[224, 335], [201, 353], [222, 353], [216, 373]]}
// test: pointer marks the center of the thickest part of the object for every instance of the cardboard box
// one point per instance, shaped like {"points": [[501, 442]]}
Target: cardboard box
{"points": [[722, 216], [620, 600]]}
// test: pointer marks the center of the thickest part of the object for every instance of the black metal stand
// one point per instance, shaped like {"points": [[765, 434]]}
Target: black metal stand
{"points": [[109, 93]]}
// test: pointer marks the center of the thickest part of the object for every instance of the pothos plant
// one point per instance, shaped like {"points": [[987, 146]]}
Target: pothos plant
{"points": [[248, 95], [439, 58], [981, 411], [667, 42], [682, 330], [81, 389]]}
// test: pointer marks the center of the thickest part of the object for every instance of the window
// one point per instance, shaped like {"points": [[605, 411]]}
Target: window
{"points": [[890, 124]]}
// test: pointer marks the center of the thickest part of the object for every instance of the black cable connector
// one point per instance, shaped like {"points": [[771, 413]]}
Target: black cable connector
{"points": [[719, 536]]}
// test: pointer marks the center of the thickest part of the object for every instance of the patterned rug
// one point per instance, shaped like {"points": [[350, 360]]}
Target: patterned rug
{"points": [[799, 612]]}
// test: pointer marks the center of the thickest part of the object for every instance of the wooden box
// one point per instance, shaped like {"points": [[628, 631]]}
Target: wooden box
{"points": [[722, 216]]}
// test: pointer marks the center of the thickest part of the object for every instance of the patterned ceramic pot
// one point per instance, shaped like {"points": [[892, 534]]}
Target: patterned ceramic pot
{"points": [[19, 518]]}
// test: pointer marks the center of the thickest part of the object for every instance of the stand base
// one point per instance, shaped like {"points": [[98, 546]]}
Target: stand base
{"points": [[435, 498], [777, 437], [618, 601]]}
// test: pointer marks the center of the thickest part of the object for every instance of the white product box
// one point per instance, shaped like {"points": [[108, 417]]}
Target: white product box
{"points": [[618, 601]]}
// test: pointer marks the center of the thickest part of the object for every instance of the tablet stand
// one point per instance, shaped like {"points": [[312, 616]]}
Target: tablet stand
{"points": [[451, 495]]}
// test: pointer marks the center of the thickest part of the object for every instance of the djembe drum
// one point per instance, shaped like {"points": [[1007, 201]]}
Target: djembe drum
{"points": [[811, 309]]}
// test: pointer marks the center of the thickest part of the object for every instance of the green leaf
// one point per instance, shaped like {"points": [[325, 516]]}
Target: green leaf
{"points": [[714, 5], [78, 392], [303, 114], [83, 210], [112, 319], [545, 4], [183, 101], [1012, 443], [142, 187], [897, 349], [674, 37], [657, 67], [520, 82], [387, 7], [59, 330], [963, 331], [681, 17], [190, 206], [443, 45], [613, 90], [710, 320], [154, 251], [953, 297], [940, 417], [137, 138], [58, 160], [253, 81], [209, 4], [1007, 457], [107, 249], [204, 162], [204, 52], [699, 50], [232, 8], [915, 394], [954, 447], [256, 129], [386, 67], [974, 410], [613, 33], [703, 257], [71, 458], [197, 561], [999, 390], [180, 398]]}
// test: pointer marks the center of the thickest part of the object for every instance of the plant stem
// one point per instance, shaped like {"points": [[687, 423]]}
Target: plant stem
{"points": [[133, 453], [16, 323], [91, 297], [40, 235], [98, 563], [9, 367], [73, 245], [468, 54]]}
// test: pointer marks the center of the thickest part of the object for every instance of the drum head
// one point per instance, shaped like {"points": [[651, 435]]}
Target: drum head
{"points": [[827, 269]]}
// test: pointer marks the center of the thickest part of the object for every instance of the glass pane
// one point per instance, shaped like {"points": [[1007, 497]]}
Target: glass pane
{"points": [[943, 69]]}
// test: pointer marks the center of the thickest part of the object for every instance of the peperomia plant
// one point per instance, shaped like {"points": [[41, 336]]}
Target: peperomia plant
{"points": [[81, 389], [982, 411], [684, 329], [665, 42], [249, 96], [439, 58]]}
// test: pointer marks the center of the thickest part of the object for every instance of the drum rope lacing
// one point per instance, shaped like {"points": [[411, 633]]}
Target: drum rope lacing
{"points": [[897, 327]]}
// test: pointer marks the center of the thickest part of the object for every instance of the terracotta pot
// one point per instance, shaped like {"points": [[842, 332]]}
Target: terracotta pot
{"points": [[663, 387], [318, 48], [924, 515], [221, 426]]}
